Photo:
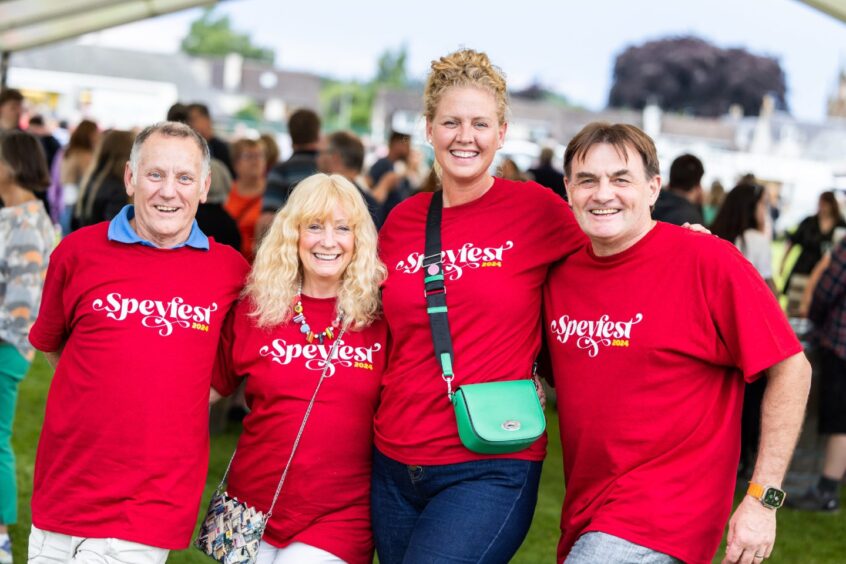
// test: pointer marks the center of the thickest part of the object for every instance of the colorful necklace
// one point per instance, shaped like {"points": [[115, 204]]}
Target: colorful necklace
{"points": [[299, 317]]}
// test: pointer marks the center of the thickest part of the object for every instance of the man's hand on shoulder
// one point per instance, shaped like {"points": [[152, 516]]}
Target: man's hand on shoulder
{"points": [[751, 532]]}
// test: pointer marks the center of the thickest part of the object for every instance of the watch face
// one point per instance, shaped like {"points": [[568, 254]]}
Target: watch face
{"points": [[773, 498]]}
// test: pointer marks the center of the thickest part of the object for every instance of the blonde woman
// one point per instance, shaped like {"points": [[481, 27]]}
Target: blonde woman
{"points": [[433, 499], [315, 279]]}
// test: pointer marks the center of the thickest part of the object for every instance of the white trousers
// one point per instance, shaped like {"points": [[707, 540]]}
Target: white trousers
{"points": [[46, 547], [295, 553]]}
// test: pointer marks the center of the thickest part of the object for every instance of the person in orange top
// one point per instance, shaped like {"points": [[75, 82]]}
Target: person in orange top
{"points": [[244, 203]]}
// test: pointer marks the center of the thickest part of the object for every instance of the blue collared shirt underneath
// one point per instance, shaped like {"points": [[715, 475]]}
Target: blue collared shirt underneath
{"points": [[121, 230]]}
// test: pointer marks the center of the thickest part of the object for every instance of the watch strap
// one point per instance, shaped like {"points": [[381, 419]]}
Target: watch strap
{"points": [[756, 490]]}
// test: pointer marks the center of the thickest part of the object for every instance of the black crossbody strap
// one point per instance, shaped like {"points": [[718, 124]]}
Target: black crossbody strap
{"points": [[435, 291]]}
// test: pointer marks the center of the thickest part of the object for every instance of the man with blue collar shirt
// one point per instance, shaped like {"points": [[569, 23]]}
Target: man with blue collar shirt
{"points": [[130, 319]]}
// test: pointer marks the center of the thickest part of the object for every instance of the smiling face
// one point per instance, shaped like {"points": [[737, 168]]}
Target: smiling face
{"points": [[168, 186], [611, 195], [465, 134], [326, 248]]}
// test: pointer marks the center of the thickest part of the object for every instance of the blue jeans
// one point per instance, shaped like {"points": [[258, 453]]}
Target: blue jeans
{"points": [[474, 512], [596, 548]]}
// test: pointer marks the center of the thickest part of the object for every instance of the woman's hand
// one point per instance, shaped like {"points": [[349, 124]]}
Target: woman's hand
{"points": [[696, 227], [539, 389]]}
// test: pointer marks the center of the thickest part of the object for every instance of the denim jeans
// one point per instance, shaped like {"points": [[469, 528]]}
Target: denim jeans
{"points": [[597, 548], [473, 512]]}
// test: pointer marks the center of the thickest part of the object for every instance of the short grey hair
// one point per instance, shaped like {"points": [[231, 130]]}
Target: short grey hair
{"points": [[170, 129]]}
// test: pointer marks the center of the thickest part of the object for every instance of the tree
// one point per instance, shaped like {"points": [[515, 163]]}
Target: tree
{"points": [[213, 35], [349, 105], [536, 91], [390, 68], [690, 75]]}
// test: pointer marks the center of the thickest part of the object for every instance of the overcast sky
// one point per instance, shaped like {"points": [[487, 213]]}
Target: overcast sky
{"points": [[569, 46]]}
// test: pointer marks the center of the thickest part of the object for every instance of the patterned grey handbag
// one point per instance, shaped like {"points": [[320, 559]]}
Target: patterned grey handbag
{"points": [[232, 530]]}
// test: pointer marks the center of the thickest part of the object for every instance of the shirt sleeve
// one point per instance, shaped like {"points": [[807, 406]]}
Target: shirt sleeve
{"points": [[831, 287], [51, 328], [748, 318]]}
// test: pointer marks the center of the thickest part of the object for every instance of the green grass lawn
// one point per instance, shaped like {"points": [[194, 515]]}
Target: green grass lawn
{"points": [[802, 538]]}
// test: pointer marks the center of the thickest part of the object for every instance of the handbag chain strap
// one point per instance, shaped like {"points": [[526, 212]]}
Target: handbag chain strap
{"points": [[326, 365], [434, 290]]}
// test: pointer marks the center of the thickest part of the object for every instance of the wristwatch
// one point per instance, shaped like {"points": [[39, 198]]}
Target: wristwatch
{"points": [[769, 496]]}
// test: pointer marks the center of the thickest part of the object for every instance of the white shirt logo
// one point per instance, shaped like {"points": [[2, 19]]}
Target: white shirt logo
{"points": [[283, 353], [589, 335], [157, 314], [468, 256]]}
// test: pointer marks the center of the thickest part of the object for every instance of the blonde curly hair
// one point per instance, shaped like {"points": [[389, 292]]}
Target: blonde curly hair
{"points": [[465, 67], [277, 271]]}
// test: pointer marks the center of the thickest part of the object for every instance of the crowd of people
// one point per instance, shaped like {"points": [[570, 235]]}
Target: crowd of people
{"points": [[192, 268]]}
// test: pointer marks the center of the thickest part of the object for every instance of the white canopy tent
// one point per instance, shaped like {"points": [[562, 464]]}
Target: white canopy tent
{"points": [[834, 8], [30, 23]]}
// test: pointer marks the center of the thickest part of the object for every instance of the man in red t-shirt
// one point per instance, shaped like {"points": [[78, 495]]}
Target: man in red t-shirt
{"points": [[130, 319], [652, 330]]}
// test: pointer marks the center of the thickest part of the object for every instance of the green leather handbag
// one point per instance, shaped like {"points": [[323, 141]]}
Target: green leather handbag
{"points": [[494, 417], [498, 417]]}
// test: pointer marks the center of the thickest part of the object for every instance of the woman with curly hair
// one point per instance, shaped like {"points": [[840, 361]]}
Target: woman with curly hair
{"points": [[434, 500], [315, 284]]}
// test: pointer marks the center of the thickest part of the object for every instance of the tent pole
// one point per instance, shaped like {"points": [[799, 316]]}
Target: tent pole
{"points": [[4, 68]]}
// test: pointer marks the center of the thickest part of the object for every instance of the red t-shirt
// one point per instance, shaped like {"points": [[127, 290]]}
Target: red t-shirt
{"points": [[497, 250], [124, 446], [650, 348], [325, 501]]}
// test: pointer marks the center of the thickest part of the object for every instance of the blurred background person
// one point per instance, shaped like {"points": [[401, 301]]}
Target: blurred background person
{"points": [[509, 170], [432, 182], [11, 109], [72, 165], [547, 175], [199, 118], [742, 220], [713, 202], [26, 240], [681, 201], [245, 196], [814, 235], [304, 129], [344, 155], [103, 192], [271, 150], [399, 149], [398, 161], [50, 144], [212, 217], [826, 291]]}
